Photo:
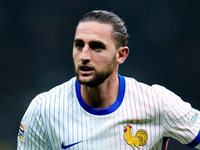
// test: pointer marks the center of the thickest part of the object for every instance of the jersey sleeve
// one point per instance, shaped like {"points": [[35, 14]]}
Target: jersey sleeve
{"points": [[32, 134], [181, 121]]}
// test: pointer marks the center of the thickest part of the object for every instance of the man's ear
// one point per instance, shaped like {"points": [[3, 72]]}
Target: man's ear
{"points": [[122, 54]]}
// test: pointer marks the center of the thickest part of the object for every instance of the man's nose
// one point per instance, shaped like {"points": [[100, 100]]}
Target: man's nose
{"points": [[85, 53]]}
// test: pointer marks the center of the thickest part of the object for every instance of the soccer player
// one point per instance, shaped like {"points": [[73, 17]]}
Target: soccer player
{"points": [[102, 110]]}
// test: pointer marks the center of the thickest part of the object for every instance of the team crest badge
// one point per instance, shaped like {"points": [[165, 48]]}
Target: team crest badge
{"points": [[140, 138], [194, 117], [21, 132]]}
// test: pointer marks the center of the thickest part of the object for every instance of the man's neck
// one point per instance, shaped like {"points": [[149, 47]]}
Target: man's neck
{"points": [[104, 95]]}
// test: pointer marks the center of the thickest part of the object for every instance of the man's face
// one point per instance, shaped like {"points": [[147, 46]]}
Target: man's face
{"points": [[94, 53]]}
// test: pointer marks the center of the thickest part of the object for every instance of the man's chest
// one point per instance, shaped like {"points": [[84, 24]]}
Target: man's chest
{"points": [[119, 130]]}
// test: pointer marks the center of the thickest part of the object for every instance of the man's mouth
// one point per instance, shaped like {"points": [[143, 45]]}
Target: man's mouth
{"points": [[85, 70]]}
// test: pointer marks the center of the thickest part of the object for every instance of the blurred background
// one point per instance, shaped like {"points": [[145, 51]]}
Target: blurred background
{"points": [[36, 39]]}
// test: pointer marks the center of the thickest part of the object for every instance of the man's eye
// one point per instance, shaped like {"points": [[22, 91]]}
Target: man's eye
{"points": [[79, 45], [97, 46]]}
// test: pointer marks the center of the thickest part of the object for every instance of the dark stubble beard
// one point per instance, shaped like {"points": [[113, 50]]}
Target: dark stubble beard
{"points": [[99, 77]]}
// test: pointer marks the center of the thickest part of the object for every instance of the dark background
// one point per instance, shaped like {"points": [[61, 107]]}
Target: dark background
{"points": [[36, 46]]}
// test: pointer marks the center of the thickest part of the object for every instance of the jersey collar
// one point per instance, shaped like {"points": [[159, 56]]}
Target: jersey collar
{"points": [[108, 110]]}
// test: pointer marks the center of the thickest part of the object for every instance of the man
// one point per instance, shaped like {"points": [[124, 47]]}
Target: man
{"points": [[99, 109]]}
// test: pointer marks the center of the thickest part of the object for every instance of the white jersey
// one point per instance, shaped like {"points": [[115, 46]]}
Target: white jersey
{"points": [[142, 117]]}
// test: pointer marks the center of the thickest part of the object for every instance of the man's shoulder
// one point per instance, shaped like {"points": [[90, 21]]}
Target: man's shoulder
{"points": [[132, 82], [154, 89], [68, 85], [57, 91]]}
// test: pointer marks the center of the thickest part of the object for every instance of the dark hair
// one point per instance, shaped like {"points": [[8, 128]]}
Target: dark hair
{"points": [[120, 32]]}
